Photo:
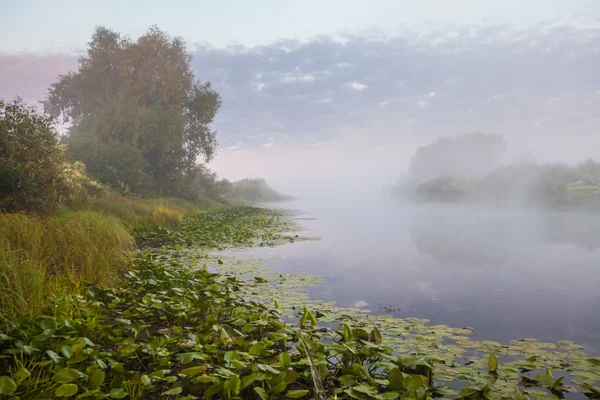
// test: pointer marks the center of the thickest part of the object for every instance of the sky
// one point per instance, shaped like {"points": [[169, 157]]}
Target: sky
{"points": [[317, 91]]}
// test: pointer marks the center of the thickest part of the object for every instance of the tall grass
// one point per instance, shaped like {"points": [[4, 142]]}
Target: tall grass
{"points": [[43, 256], [146, 214]]}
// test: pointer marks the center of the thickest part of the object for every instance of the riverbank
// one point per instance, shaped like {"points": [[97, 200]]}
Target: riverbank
{"points": [[182, 323]]}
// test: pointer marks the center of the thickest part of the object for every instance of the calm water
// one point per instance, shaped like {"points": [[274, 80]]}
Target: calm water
{"points": [[507, 274]]}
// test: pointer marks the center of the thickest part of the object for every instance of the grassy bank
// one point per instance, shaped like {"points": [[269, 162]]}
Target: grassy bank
{"points": [[90, 244]]}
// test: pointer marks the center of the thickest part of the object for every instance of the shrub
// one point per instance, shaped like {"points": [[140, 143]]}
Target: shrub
{"points": [[31, 161]]}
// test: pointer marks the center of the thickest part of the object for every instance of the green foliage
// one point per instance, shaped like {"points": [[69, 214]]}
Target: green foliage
{"points": [[120, 165], [44, 256], [175, 331], [140, 95], [551, 186], [229, 227], [31, 162], [252, 191]]}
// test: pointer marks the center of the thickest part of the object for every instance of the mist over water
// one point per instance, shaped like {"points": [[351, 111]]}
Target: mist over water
{"points": [[509, 274]]}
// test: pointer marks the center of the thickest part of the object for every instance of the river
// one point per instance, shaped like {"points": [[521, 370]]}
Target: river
{"points": [[508, 274]]}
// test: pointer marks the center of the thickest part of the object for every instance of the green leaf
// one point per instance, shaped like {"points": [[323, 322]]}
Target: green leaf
{"points": [[66, 351], [247, 381], [55, 357], [89, 393], [66, 390], [49, 323], [203, 379], [7, 386], [220, 262], [174, 391], [285, 359], [395, 379], [280, 387], [296, 394], [233, 384], [193, 371], [97, 378], [557, 383], [118, 393], [256, 349], [225, 338], [65, 375], [304, 317], [347, 333], [261, 393], [376, 336], [276, 304], [492, 363]]}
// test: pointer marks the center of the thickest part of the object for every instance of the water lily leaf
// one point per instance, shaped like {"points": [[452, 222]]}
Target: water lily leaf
{"points": [[174, 391], [492, 363], [395, 379], [375, 336], [55, 357], [347, 335], [296, 394], [66, 390], [261, 393], [247, 380], [285, 359], [97, 378], [118, 393], [280, 387], [193, 371], [65, 375], [290, 376], [48, 323], [365, 389], [232, 384], [225, 338], [67, 351], [256, 349], [89, 393], [7, 385], [203, 379]]}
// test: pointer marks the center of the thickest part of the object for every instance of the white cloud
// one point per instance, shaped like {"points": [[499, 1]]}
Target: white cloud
{"points": [[357, 85], [267, 145]]}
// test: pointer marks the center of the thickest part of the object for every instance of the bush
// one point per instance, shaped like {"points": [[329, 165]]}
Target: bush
{"points": [[44, 256], [118, 165], [31, 161]]}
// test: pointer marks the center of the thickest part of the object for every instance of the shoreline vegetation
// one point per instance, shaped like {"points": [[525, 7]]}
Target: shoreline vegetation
{"points": [[180, 321]]}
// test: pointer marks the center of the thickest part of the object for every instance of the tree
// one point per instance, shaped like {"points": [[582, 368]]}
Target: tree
{"points": [[143, 94], [470, 154], [31, 161]]}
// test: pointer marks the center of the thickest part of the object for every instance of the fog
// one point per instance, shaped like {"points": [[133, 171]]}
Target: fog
{"points": [[304, 114], [433, 143]]}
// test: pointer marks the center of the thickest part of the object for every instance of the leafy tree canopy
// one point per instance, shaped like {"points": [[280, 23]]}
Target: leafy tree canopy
{"points": [[141, 94]]}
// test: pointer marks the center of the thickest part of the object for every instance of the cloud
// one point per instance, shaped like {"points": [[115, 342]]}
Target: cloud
{"points": [[357, 85], [399, 92]]}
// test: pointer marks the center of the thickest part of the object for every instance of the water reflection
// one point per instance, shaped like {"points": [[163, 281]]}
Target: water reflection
{"points": [[508, 274]]}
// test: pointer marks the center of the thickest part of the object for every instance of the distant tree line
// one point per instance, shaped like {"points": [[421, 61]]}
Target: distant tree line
{"points": [[447, 171]]}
